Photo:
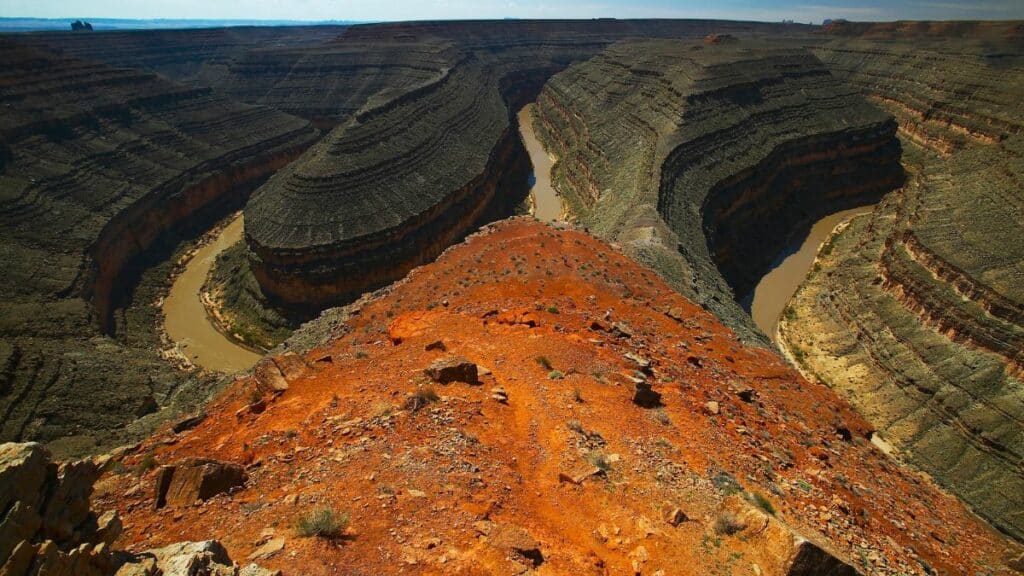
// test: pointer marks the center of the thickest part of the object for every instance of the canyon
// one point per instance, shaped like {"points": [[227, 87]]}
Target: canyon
{"points": [[103, 169], [578, 397], [913, 312]]}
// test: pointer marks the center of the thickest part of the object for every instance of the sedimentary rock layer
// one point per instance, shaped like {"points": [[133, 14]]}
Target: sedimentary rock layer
{"points": [[100, 166], [196, 55], [917, 312], [704, 159], [418, 159]]}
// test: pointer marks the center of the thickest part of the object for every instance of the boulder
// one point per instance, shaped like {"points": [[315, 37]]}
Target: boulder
{"points": [[645, 397], [206, 558], [291, 365], [196, 479], [784, 550], [452, 369], [269, 378]]}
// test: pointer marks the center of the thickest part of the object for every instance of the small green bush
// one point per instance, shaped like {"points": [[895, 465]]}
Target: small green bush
{"points": [[764, 503], [322, 523], [421, 397], [147, 463], [543, 361], [556, 375]]}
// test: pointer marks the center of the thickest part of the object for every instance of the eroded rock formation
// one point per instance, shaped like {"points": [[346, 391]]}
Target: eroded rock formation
{"points": [[104, 168], [419, 159], [705, 159], [916, 312]]}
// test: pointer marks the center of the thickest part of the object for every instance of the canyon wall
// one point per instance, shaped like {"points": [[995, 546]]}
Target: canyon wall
{"points": [[101, 168], [425, 147], [705, 159], [916, 312]]}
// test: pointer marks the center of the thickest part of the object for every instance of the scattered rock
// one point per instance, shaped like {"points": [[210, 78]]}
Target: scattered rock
{"points": [[795, 554], [268, 549], [452, 369], [436, 345], [675, 516], [498, 393], [711, 408], [196, 479], [579, 476], [645, 397]]}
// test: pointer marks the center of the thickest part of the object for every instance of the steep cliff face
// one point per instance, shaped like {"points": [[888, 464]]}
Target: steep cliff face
{"points": [[608, 425], [101, 166], [705, 159], [924, 299]]}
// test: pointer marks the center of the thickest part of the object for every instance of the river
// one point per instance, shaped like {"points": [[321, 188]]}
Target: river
{"points": [[185, 318], [776, 288], [547, 204], [189, 327]]}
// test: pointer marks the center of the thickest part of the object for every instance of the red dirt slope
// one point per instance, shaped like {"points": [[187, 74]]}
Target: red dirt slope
{"points": [[470, 484]]}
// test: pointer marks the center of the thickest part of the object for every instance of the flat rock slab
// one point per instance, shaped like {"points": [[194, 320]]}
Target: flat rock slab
{"points": [[194, 480]]}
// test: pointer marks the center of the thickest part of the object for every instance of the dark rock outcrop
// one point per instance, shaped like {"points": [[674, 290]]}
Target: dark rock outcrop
{"points": [[704, 160]]}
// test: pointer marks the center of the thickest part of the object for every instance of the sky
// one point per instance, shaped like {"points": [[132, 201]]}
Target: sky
{"points": [[383, 10]]}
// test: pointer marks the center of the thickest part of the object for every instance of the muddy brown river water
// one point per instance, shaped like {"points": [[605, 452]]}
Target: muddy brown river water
{"points": [[190, 328], [547, 203], [776, 288], [185, 318]]}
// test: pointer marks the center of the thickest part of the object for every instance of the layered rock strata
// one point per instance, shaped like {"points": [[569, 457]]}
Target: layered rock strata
{"points": [[916, 313], [101, 169], [195, 55], [418, 160], [704, 160]]}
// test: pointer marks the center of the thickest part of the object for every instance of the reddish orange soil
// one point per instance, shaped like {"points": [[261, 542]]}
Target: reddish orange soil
{"points": [[457, 486]]}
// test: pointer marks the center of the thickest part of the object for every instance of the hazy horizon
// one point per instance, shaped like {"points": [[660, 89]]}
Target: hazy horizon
{"points": [[313, 11]]}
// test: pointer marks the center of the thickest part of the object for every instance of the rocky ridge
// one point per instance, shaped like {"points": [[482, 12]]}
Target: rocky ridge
{"points": [[102, 171], [705, 159], [485, 415]]}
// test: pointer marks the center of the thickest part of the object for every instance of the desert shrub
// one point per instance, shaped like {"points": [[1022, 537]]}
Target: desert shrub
{"points": [[421, 397], [543, 361], [147, 463], [322, 523], [556, 375], [764, 503], [728, 524], [599, 460]]}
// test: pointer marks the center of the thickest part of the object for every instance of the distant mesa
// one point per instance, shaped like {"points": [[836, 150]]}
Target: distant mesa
{"points": [[79, 26]]}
